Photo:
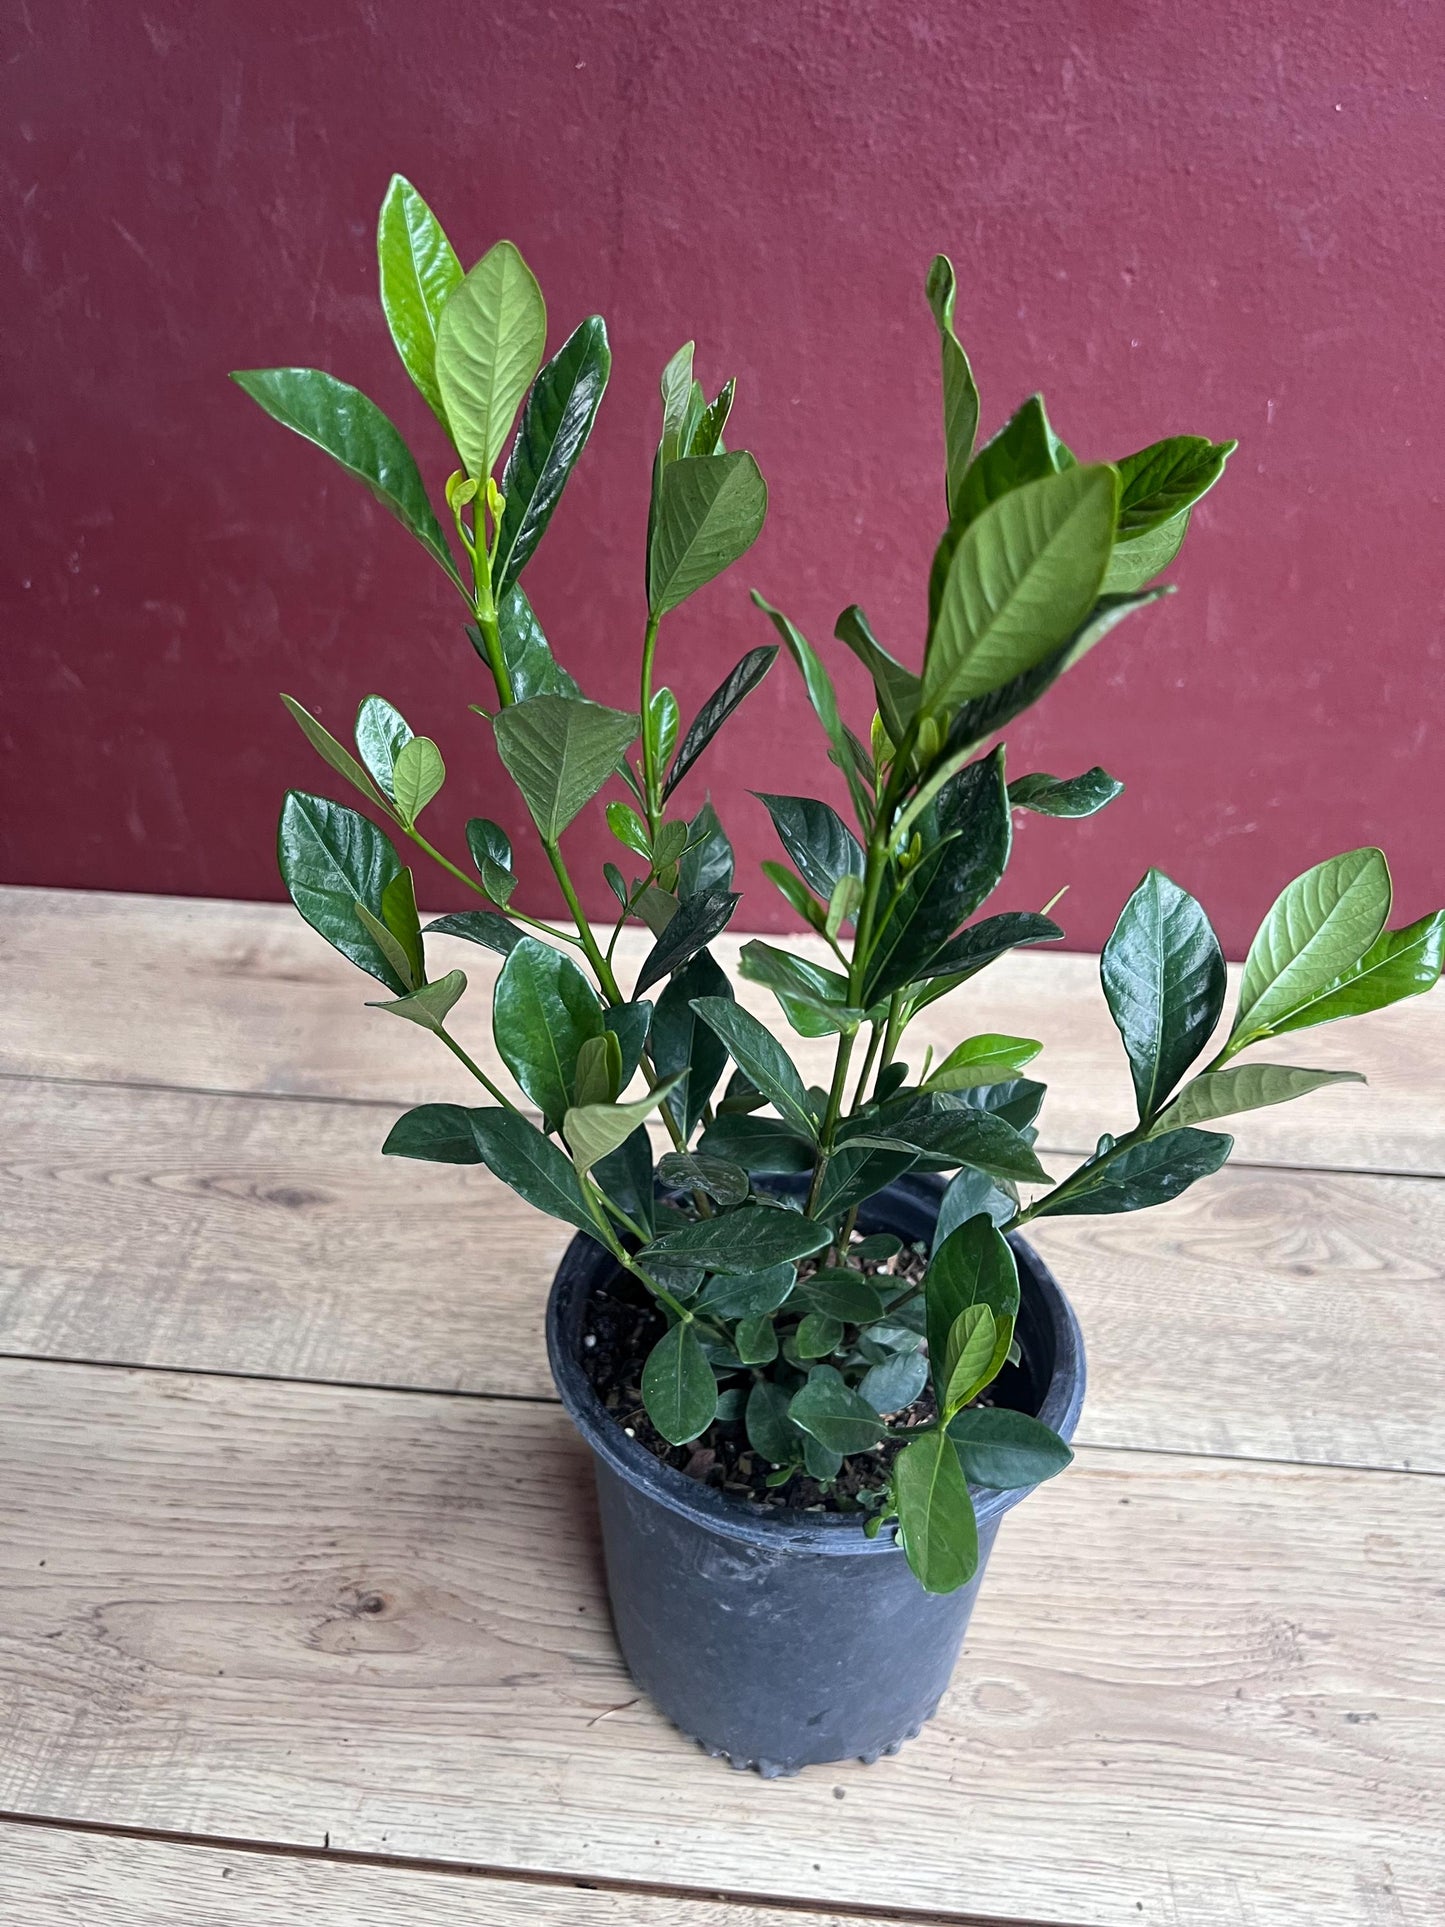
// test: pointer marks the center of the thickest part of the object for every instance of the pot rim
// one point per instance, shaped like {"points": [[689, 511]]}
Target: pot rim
{"points": [[586, 1265]]}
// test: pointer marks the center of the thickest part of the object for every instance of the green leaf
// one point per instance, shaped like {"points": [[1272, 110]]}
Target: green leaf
{"points": [[599, 1070], [821, 694], [418, 272], [834, 1414], [1022, 580], [936, 1524], [491, 850], [748, 1294], [543, 1010], [856, 1172], [819, 1335], [1163, 975], [771, 1433], [626, 1178], [765, 1145], [682, 1042], [438, 1133], [559, 751], [355, 433], [710, 511], [1065, 795], [390, 945], [895, 687], [629, 1023], [744, 678], [982, 942], [429, 1005], [816, 838], [1022, 451], [707, 862], [844, 1294], [1244, 1087], [721, 1179], [678, 1387], [326, 746], [532, 669], [960, 394], [755, 1050], [756, 1340], [706, 437], [981, 1060], [663, 719], [478, 926], [969, 1360], [1005, 1450], [398, 913], [814, 998], [973, 1266], [514, 1149], [1134, 563], [1398, 964], [490, 339], [1164, 480], [677, 390], [382, 733], [752, 1238], [1153, 1172], [795, 892], [594, 1131], [944, 1129], [1318, 929], [419, 774], [699, 919], [893, 1385], [556, 422], [332, 858]]}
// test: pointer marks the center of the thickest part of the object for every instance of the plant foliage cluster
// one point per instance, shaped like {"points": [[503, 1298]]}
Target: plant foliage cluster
{"points": [[769, 1314]]}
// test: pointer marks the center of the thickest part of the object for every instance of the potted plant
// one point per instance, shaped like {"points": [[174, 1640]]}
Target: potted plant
{"points": [[813, 1375]]}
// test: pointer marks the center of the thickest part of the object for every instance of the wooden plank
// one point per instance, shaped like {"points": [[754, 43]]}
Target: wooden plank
{"points": [[242, 996], [254, 1235], [53, 1878], [1196, 1692]]}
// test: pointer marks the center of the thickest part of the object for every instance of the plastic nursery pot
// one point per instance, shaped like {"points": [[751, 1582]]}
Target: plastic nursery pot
{"points": [[782, 1639]]}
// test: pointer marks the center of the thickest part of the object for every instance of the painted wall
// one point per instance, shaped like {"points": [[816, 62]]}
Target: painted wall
{"points": [[1224, 219]]}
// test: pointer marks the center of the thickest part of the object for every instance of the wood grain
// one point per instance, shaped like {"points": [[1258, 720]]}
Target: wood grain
{"points": [[52, 1878], [242, 996], [255, 1235], [1197, 1692]]}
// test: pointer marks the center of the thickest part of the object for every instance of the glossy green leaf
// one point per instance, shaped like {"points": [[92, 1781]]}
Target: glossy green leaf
{"points": [[543, 1009], [755, 1050], [389, 944], [1163, 975], [857, 1172], [839, 1418], [490, 339], [491, 850], [814, 998], [1134, 563], [417, 777], [1022, 451], [743, 679], [816, 838], [821, 694], [1244, 1087], [968, 1363], [752, 1238], [678, 1387], [682, 1042], [895, 687], [332, 858], [398, 913], [1065, 795], [948, 1131], [748, 1294], [559, 751], [630, 1024], [710, 511], [771, 1433], [663, 719], [707, 862], [418, 272], [981, 1060], [986, 940], [1023, 579], [699, 919], [478, 926], [706, 437], [336, 754], [1319, 927], [382, 733], [722, 1180], [968, 1194], [1398, 964], [1153, 1172], [595, 1131], [960, 393], [436, 1133], [1166, 479], [1006, 1450], [756, 1340], [765, 1145], [625, 1177], [532, 669], [514, 1150], [429, 1005], [973, 1266], [893, 1385], [936, 1524], [795, 892], [556, 421], [841, 1292], [354, 432], [677, 391]]}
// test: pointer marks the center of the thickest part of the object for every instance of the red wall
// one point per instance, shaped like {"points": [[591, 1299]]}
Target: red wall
{"points": [[1224, 219]]}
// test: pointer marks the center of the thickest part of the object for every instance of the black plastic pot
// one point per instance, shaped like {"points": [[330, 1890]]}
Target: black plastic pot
{"points": [[782, 1639]]}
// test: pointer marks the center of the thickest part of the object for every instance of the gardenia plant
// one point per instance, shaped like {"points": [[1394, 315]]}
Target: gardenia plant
{"points": [[774, 1316]]}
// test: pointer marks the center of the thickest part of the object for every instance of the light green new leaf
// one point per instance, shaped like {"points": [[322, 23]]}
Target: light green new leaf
{"points": [[710, 510], [389, 944], [1318, 929], [1165, 480], [936, 1523], [1244, 1087], [490, 340], [332, 858], [418, 272], [960, 393], [981, 1060], [973, 1266], [1022, 580], [354, 432], [594, 1131], [418, 775], [1398, 964], [336, 754], [429, 1005], [968, 1362], [677, 387], [398, 913], [543, 1009], [1134, 563], [559, 751], [1163, 975], [678, 1387], [599, 1070]]}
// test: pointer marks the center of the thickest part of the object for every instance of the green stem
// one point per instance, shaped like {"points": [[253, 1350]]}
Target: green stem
{"points": [[831, 1116], [476, 1070], [513, 916], [1085, 1174], [652, 802]]}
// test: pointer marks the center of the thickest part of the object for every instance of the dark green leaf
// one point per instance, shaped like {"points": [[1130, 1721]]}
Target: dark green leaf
{"points": [[331, 859], [819, 1334], [893, 1385], [710, 509], [895, 687], [542, 1011], [1163, 974], [1164, 480], [796, 892], [748, 1294], [1244, 1087], [490, 340], [382, 733], [1022, 451], [765, 1145], [354, 432], [1065, 795], [752, 1238], [814, 999], [515, 1151], [982, 942], [842, 1293], [816, 838], [855, 1174], [1400, 963], [756, 1340], [555, 424], [722, 1180], [1319, 928], [439, 1133], [974, 1265], [626, 1178], [1017, 1101], [699, 919], [960, 395], [822, 695], [1006, 1450], [819, 1462], [834, 1414], [744, 678], [678, 1387], [682, 1042], [630, 1023], [492, 853], [559, 751], [771, 1433], [479, 926], [970, 1193], [1149, 1173], [935, 1514], [755, 1050], [418, 272], [532, 669], [707, 862]]}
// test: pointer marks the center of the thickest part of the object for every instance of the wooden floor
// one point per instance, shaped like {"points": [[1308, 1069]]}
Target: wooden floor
{"points": [[300, 1610]]}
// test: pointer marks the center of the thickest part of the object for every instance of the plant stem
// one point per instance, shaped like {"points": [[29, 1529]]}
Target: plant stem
{"points": [[1088, 1170], [476, 1070], [514, 916], [649, 771], [831, 1116]]}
